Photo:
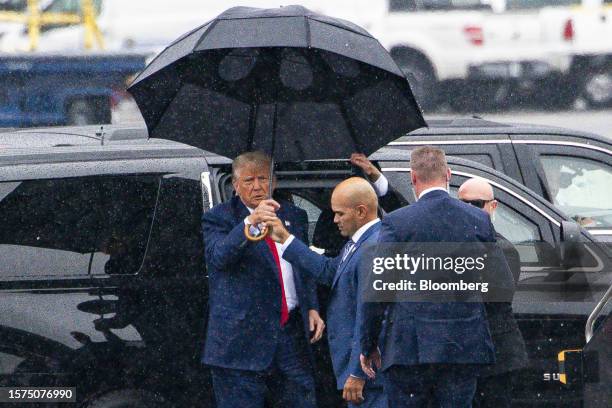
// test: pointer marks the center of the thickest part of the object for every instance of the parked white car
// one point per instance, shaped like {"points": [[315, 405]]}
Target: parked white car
{"points": [[578, 29]]}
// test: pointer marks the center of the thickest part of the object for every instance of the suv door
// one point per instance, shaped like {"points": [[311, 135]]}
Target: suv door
{"points": [[101, 281], [576, 179], [60, 232], [164, 301], [551, 303]]}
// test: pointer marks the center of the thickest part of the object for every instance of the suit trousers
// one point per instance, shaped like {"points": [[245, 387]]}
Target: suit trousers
{"points": [[374, 397], [288, 381], [431, 385]]}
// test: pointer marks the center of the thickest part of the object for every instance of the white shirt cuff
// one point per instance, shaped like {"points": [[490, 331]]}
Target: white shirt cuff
{"points": [[287, 242], [246, 220], [381, 186]]}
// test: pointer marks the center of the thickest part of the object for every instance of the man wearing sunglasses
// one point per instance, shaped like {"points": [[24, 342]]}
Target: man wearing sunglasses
{"points": [[494, 387]]}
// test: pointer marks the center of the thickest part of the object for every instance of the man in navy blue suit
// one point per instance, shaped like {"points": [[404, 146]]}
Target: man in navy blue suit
{"points": [[431, 351], [261, 308], [494, 389], [355, 208]]}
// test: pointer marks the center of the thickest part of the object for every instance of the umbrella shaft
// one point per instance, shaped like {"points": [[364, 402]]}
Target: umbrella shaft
{"points": [[271, 177], [272, 151]]}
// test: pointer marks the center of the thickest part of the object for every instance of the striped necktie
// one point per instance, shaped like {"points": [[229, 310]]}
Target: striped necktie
{"points": [[348, 248]]}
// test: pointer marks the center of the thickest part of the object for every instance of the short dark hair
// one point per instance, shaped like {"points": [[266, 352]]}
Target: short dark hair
{"points": [[428, 164], [257, 158]]}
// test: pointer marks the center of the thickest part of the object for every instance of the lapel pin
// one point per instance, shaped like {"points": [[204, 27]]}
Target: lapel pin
{"points": [[287, 223]]}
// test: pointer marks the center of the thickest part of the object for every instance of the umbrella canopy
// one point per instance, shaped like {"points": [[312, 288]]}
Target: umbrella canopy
{"points": [[288, 81]]}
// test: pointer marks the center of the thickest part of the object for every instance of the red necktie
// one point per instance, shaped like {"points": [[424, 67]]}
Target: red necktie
{"points": [[284, 309]]}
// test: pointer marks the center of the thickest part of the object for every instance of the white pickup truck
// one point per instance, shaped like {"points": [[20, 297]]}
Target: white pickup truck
{"points": [[462, 52], [591, 49], [580, 30]]}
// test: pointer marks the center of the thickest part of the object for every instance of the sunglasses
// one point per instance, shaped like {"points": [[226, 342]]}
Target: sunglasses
{"points": [[477, 203]]}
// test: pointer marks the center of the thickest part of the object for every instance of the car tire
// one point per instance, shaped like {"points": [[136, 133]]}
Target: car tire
{"points": [[421, 78], [597, 87], [129, 398], [89, 111]]}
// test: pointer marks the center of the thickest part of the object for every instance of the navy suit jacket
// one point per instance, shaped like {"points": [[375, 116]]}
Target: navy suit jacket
{"points": [[244, 288], [426, 332], [344, 308]]}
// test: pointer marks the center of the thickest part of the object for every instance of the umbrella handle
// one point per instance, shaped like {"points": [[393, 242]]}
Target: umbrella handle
{"points": [[254, 238]]}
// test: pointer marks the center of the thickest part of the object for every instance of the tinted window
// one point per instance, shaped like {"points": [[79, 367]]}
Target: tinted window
{"points": [[312, 211], [175, 245], [534, 4], [402, 5], [480, 158], [581, 188], [412, 5], [75, 226], [516, 228]]}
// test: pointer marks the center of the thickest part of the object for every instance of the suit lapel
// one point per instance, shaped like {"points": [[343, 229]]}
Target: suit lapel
{"points": [[343, 265]]}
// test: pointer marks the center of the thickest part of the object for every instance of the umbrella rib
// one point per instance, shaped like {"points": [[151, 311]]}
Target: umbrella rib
{"points": [[163, 113], [367, 35], [307, 28], [164, 50], [205, 34]]}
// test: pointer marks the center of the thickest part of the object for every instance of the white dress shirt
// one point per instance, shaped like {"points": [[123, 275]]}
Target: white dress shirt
{"points": [[381, 186], [363, 229], [287, 272]]}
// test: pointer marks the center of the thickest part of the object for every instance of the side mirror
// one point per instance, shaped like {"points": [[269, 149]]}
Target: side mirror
{"points": [[572, 247]]}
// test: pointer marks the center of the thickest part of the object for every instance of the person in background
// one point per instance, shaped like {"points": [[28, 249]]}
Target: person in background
{"points": [[494, 389]]}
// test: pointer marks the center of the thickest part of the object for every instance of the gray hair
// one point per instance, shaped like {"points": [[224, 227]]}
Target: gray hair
{"points": [[256, 158]]}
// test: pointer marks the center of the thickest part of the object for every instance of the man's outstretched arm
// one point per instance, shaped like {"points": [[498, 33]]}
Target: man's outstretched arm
{"points": [[319, 267]]}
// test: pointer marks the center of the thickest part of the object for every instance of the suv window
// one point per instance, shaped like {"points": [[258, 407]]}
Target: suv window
{"points": [[581, 188], [513, 226], [402, 5], [75, 226], [313, 212], [535, 4]]}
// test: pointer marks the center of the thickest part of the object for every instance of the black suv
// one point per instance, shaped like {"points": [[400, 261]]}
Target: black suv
{"points": [[103, 284], [571, 169]]}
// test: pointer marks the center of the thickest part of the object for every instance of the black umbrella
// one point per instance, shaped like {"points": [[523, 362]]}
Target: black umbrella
{"points": [[312, 86], [288, 81]]}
